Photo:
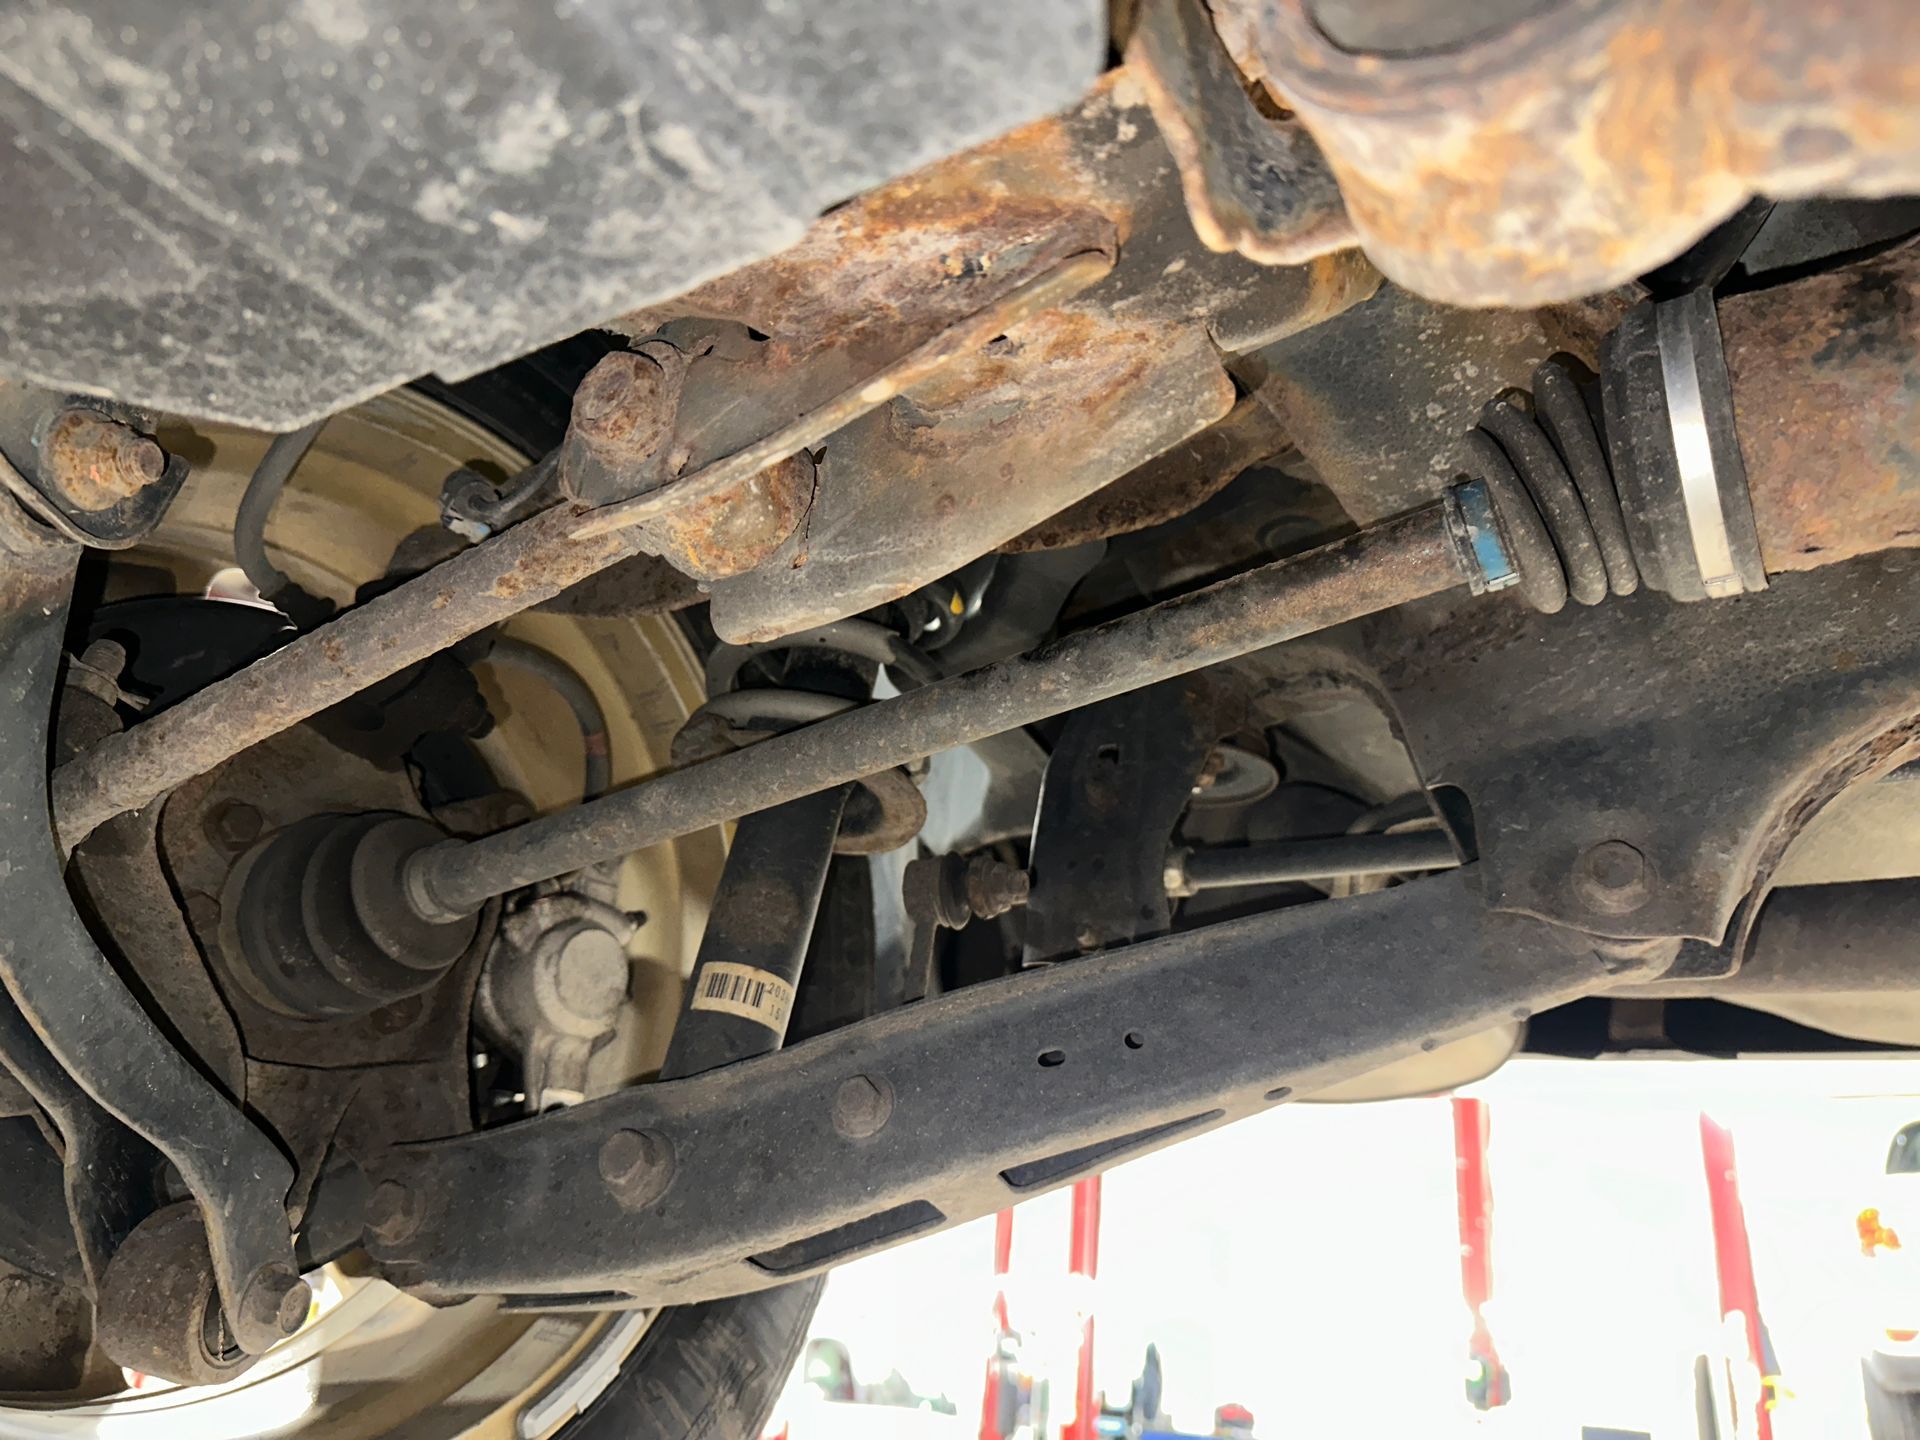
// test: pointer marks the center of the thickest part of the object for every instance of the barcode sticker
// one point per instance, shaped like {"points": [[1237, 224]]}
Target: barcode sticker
{"points": [[757, 995]]}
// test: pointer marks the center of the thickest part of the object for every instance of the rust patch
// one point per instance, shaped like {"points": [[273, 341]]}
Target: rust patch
{"points": [[1058, 406], [96, 462], [738, 529], [1593, 139], [1826, 396]]}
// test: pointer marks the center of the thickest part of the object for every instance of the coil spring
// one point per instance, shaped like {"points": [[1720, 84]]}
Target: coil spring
{"points": [[742, 708], [1553, 490]]}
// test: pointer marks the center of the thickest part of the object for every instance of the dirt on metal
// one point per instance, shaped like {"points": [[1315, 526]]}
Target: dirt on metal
{"points": [[96, 462], [1591, 140], [1169, 485], [1826, 397], [1387, 565]]}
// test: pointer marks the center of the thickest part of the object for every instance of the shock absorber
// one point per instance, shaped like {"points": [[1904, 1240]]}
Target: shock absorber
{"points": [[741, 995], [1650, 491], [759, 690]]}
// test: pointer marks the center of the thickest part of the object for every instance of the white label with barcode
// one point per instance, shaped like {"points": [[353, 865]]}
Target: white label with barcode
{"points": [[757, 995]]}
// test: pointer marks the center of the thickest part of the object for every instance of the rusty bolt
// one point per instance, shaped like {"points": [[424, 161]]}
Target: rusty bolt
{"points": [[232, 825], [617, 407], [950, 890], [637, 1166], [862, 1106], [94, 462], [1612, 878], [995, 887], [277, 1299], [393, 1212]]}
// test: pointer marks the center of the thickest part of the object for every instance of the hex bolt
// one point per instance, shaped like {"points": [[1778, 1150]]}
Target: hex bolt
{"points": [[1612, 878], [95, 462], [277, 1299], [995, 887], [139, 460], [233, 825], [862, 1106], [637, 1166], [617, 404], [950, 890], [393, 1213]]}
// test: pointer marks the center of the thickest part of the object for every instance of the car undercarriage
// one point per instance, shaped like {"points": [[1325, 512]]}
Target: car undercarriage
{"points": [[967, 594]]}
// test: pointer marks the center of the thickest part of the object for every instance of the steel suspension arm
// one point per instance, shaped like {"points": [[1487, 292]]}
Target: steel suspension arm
{"points": [[924, 1117], [78, 1008], [1389, 564]]}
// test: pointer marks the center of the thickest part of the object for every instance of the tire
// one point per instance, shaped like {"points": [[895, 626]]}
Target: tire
{"points": [[706, 1372], [712, 1371], [1891, 1414]]}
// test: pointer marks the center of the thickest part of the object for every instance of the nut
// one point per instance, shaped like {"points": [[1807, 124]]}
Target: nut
{"points": [[637, 1166], [94, 462], [233, 825], [617, 407], [1612, 878], [277, 1299], [862, 1106], [995, 887], [393, 1213]]}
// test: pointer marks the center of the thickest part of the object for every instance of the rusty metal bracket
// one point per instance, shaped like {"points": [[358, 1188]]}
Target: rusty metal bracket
{"points": [[1052, 411], [1062, 282], [1255, 183]]}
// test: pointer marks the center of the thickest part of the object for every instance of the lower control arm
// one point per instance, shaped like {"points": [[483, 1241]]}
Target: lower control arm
{"points": [[778, 1166]]}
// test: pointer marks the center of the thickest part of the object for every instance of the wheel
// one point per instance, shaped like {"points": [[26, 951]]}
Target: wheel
{"points": [[384, 1363], [1891, 1414]]}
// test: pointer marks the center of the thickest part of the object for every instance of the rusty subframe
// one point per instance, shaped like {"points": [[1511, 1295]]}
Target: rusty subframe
{"points": [[1388, 565], [1016, 431], [926, 469], [1506, 161], [1826, 397], [494, 581]]}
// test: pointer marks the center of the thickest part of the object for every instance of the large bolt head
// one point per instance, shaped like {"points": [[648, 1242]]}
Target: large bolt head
{"points": [[618, 404], [95, 462], [233, 824], [637, 1166], [862, 1106], [277, 1299], [392, 1213], [1612, 878]]}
